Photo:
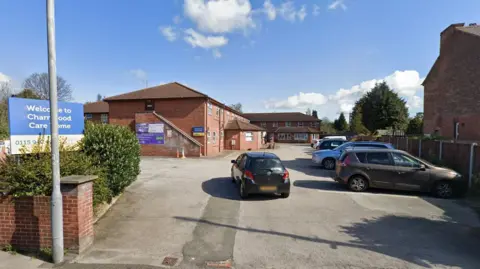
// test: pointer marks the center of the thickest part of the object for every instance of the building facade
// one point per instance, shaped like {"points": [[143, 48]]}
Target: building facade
{"points": [[452, 87], [288, 127], [198, 116], [96, 112]]}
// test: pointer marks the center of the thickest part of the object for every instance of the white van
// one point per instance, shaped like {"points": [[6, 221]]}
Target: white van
{"points": [[315, 145]]}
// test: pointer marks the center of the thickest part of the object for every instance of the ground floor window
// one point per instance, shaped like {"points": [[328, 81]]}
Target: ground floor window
{"points": [[283, 136], [214, 138], [104, 118], [301, 137], [88, 116], [248, 136]]}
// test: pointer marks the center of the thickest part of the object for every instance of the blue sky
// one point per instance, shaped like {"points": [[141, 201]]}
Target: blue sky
{"points": [[269, 55]]}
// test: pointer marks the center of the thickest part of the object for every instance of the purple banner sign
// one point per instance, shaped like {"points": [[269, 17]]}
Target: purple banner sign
{"points": [[155, 139]]}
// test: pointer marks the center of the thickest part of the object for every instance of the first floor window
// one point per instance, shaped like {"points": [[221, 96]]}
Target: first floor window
{"points": [[300, 124], [149, 105], [275, 124], [214, 137], [248, 136], [263, 124], [288, 124], [104, 118], [208, 137], [312, 124], [209, 109], [88, 116]]}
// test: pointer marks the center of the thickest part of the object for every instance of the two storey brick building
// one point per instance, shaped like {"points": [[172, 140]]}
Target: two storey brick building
{"points": [[452, 87]]}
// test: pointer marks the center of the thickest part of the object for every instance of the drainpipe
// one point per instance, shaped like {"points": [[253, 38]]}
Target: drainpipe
{"points": [[406, 144], [440, 151], [420, 148], [470, 172]]}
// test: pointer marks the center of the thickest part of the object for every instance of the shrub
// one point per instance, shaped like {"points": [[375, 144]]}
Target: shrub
{"points": [[31, 174], [116, 149]]}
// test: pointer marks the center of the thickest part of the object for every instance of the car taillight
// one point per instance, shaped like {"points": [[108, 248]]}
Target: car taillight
{"points": [[346, 161], [286, 176], [249, 175]]}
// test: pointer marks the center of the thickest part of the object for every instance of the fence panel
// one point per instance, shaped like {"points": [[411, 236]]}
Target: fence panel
{"points": [[457, 156]]}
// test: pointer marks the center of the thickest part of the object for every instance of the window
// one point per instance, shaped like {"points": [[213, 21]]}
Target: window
{"points": [[214, 137], [380, 158], [228, 115], [288, 124], [300, 124], [104, 118], [266, 164], [361, 156], [217, 112], [367, 145], [335, 144], [404, 160], [275, 124], [221, 134], [312, 124], [208, 137], [284, 136], [263, 124], [149, 105], [248, 136], [209, 106], [301, 137], [88, 116]]}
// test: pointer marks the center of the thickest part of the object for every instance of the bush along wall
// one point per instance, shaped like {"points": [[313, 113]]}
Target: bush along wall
{"points": [[116, 150]]}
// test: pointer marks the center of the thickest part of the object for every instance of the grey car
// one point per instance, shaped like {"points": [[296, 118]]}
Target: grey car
{"points": [[361, 169], [328, 157]]}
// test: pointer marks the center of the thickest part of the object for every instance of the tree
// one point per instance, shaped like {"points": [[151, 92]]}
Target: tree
{"points": [[39, 83], [415, 125], [341, 123], [356, 117], [308, 112], [382, 108], [315, 114], [327, 126], [5, 92], [99, 97], [237, 107], [27, 93]]}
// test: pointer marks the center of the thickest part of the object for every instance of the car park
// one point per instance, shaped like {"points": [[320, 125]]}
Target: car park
{"points": [[361, 169], [260, 173], [328, 157]]}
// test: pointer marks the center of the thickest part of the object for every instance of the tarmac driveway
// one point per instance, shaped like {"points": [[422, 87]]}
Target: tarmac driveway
{"points": [[190, 211]]}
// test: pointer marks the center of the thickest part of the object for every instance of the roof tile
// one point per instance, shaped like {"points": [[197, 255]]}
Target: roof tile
{"points": [[96, 107], [283, 116]]}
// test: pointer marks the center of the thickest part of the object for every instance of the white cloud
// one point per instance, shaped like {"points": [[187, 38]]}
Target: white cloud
{"points": [[168, 32], [177, 19], [139, 74], [270, 10], [216, 54], [406, 83], [337, 4], [4, 78], [196, 39], [316, 10], [288, 11], [302, 13], [220, 16]]}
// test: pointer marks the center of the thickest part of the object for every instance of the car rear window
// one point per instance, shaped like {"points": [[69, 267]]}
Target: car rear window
{"points": [[266, 164], [362, 156]]}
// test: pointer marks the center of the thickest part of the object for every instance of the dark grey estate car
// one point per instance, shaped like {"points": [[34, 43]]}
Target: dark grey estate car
{"points": [[396, 169]]}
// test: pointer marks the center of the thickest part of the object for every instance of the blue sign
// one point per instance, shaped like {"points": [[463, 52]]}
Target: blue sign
{"points": [[32, 117], [198, 129]]}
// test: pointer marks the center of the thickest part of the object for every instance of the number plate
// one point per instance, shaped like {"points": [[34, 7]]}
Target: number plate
{"points": [[268, 188]]}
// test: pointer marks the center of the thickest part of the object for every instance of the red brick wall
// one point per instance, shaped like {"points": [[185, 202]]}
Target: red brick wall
{"points": [[252, 145], [176, 142], [232, 135], [25, 221], [452, 91]]}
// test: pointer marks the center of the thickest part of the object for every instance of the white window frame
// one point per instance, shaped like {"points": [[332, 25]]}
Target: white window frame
{"points": [[288, 124], [300, 137], [217, 112], [208, 137], [214, 137], [104, 118], [249, 136], [263, 124], [209, 105], [275, 124], [89, 116], [312, 124], [300, 124]]}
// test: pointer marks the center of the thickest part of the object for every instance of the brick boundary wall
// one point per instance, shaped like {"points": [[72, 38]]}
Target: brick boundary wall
{"points": [[25, 222]]}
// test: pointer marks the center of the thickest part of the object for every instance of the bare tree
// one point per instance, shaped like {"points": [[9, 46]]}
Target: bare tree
{"points": [[40, 84], [237, 107], [99, 97], [5, 90]]}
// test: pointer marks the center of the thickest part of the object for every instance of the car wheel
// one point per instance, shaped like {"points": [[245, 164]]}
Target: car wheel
{"points": [[443, 189], [243, 191], [285, 194], [358, 184], [329, 164]]}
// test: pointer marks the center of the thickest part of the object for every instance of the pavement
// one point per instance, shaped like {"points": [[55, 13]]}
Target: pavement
{"points": [[190, 212], [15, 260]]}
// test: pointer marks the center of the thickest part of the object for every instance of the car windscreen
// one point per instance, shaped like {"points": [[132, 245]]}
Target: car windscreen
{"points": [[266, 164]]}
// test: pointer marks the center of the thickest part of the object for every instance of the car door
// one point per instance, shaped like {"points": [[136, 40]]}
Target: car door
{"points": [[410, 175], [380, 169]]}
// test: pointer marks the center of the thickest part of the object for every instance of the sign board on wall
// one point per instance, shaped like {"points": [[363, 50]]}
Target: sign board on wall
{"points": [[29, 119], [150, 134], [198, 131]]}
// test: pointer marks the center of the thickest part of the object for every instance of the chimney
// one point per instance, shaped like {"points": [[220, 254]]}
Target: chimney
{"points": [[445, 34]]}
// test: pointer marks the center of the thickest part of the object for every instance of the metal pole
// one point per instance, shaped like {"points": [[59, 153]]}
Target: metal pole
{"points": [[57, 206], [440, 151], [420, 148], [470, 168]]}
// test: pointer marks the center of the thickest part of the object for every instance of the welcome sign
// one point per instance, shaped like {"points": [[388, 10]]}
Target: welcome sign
{"points": [[29, 119]]}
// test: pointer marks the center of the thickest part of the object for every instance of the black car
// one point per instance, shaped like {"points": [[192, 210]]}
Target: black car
{"points": [[260, 172], [360, 169]]}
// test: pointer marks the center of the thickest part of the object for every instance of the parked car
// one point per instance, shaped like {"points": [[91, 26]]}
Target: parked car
{"points": [[330, 144], [260, 172], [319, 141], [328, 157], [361, 169]]}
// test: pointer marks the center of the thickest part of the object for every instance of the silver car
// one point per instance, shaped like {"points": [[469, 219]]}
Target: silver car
{"points": [[328, 157]]}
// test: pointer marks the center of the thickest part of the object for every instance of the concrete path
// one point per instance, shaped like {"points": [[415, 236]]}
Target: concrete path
{"points": [[13, 261], [190, 211]]}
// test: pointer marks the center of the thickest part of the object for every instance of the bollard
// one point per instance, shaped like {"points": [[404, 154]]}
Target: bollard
{"points": [[178, 153], [183, 153]]}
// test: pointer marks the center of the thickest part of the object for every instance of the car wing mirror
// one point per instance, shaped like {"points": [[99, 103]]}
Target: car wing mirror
{"points": [[422, 167], [234, 161]]}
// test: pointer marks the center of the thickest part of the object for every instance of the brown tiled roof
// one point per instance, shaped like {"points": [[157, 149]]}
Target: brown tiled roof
{"points": [[243, 126], [297, 130], [283, 116], [165, 91], [96, 107], [471, 29]]}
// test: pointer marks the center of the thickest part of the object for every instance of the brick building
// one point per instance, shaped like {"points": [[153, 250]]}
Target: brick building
{"points": [[452, 87], [241, 135], [96, 112], [291, 127], [183, 112]]}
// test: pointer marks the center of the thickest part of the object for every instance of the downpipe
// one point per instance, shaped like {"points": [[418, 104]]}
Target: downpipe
{"points": [[470, 172]]}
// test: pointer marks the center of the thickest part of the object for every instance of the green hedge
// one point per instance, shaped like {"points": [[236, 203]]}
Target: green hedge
{"points": [[116, 149]]}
